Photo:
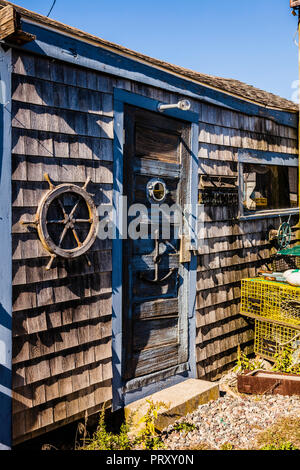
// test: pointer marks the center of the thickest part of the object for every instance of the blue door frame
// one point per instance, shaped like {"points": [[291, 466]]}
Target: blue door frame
{"points": [[5, 252], [122, 97]]}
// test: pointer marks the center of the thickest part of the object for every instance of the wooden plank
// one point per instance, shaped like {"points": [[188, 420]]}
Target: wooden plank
{"points": [[215, 313], [218, 229], [230, 243], [18, 430], [232, 258], [33, 270], [217, 152], [8, 22], [226, 326], [223, 347], [39, 92], [217, 167], [61, 121], [26, 199], [27, 246], [157, 145], [105, 392], [62, 290], [69, 336], [222, 277], [156, 308], [147, 166], [22, 399], [155, 359], [60, 72], [218, 295], [223, 136], [155, 333], [61, 170], [224, 213]]}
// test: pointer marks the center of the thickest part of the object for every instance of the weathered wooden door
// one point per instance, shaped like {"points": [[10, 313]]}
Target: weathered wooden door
{"points": [[155, 311]]}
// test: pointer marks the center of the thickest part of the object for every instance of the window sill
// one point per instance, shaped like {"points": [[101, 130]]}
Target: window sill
{"points": [[270, 214]]}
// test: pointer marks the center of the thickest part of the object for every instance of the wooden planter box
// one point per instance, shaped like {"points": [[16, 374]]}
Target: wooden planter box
{"points": [[263, 382]]}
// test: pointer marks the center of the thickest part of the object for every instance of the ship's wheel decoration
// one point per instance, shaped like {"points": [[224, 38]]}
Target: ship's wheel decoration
{"points": [[282, 235], [66, 221]]}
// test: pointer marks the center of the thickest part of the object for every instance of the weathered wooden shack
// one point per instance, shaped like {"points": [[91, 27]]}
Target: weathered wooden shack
{"points": [[127, 317]]}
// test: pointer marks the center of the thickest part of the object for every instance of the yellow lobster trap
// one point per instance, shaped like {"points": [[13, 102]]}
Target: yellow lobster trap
{"points": [[275, 306], [271, 300], [271, 339]]}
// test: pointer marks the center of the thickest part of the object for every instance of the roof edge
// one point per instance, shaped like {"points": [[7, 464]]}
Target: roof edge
{"points": [[165, 66]]}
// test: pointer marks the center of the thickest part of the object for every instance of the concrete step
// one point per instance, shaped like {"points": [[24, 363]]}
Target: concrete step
{"points": [[181, 399]]}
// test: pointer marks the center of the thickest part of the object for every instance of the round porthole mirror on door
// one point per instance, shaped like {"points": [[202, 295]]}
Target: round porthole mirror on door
{"points": [[156, 190]]}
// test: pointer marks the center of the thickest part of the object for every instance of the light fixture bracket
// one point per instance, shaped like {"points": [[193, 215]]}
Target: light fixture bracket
{"points": [[184, 105]]}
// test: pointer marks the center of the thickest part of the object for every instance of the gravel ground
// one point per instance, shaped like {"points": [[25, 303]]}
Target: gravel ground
{"points": [[231, 420]]}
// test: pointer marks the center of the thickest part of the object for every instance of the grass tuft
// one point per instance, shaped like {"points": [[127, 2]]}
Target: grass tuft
{"points": [[282, 435]]}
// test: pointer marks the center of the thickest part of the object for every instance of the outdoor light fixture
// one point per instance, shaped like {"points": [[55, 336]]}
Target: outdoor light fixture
{"points": [[184, 105]]}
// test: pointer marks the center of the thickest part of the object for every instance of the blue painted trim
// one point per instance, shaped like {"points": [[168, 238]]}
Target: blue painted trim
{"points": [[117, 248], [270, 215], [151, 105], [5, 377], [269, 158], [78, 52], [5, 425], [5, 318], [120, 98], [5, 251], [194, 166]]}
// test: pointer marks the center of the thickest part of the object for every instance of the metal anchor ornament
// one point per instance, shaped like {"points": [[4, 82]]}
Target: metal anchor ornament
{"points": [[157, 258]]}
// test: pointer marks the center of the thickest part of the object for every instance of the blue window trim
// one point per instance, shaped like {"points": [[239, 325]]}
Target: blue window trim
{"points": [[122, 97], [267, 158]]}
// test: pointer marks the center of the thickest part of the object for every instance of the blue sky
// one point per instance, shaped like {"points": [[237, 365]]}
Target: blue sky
{"points": [[249, 40]]}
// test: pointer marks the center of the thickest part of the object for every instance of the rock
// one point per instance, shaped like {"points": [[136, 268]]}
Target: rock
{"points": [[230, 420]]}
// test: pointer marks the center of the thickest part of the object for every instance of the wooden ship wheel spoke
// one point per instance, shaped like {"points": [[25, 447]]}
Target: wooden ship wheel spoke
{"points": [[66, 221], [69, 221]]}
